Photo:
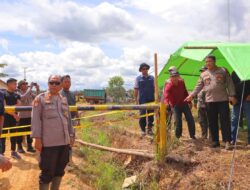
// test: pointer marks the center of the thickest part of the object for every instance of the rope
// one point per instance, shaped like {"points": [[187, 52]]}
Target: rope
{"points": [[233, 156]]}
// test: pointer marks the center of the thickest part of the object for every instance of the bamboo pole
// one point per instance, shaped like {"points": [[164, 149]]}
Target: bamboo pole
{"points": [[90, 107], [157, 121], [141, 153], [156, 78], [163, 131]]}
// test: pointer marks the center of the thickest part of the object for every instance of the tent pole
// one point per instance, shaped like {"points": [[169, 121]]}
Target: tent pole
{"points": [[200, 47], [182, 63]]}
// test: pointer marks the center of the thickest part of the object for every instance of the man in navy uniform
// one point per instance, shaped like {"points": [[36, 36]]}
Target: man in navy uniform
{"points": [[144, 93]]}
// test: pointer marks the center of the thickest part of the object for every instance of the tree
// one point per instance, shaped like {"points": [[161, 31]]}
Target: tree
{"points": [[1, 66], [130, 95], [115, 88]]}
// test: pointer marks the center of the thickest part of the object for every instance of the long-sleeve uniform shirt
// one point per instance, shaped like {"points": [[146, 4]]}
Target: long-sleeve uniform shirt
{"points": [[201, 99], [217, 85], [51, 121]]}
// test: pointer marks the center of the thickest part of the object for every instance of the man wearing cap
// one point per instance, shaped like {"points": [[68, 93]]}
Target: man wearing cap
{"points": [[174, 94], [144, 93], [11, 98], [27, 96], [219, 88], [170, 70], [200, 104], [53, 133]]}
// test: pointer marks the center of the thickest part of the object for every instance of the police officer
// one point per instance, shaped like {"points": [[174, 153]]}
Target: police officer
{"points": [[144, 93], [200, 104], [219, 88], [27, 96], [53, 133]]}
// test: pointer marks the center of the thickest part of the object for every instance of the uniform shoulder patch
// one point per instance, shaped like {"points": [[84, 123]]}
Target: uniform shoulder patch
{"points": [[64, 100], [36, 101]]}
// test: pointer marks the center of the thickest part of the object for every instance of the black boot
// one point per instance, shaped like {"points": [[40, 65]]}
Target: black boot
{"points": [[20, 148], [56, 181], [31, 149], [43, 186]]}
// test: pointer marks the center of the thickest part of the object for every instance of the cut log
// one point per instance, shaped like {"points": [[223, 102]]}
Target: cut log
{"points": [[141, 153]]}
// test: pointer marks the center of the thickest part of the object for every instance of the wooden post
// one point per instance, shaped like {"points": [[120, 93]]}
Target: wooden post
{"points": [[163, 131], [156, 78], [157, 121]]}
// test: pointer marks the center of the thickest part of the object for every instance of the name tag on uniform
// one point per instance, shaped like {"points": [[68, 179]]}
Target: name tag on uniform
{"points": [[219, 77], [207, 80]]}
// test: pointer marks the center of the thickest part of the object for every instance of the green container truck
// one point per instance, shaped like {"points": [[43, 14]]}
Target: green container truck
{"points": [[95, 96]]}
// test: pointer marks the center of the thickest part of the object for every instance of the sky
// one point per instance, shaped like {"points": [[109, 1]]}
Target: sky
{"points": [[94, 40]]}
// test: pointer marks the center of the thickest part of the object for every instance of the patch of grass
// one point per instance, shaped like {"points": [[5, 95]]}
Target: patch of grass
{"points": [[115, 116], [154, 185], [111, 179], [108, 175]]}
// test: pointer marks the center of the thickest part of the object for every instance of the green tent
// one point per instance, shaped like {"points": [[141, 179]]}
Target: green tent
{"points": [[189, 58]]}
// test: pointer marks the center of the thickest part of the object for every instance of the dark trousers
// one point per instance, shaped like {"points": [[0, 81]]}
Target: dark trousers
{"points": [[53, 162], [143, 120], [24, 121], [203, 121], [9, 122], [178, 110], [216, 111]]}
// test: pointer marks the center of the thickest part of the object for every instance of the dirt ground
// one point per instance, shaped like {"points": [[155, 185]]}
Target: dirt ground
{"points": [[200, 167], [204, 168], [24, 174]]}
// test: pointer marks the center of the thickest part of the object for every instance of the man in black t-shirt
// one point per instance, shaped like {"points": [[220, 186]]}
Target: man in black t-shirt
{"points": [[11, 118]]}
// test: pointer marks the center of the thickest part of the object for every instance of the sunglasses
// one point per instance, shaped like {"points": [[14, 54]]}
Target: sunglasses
{"points": [[56, 83], [144, 69]]}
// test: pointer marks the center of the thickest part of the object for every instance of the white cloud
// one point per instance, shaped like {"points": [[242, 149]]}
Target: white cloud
{"points": [[4, 43], [138, 29], [67, 20], [187, 20], [88, 65]]}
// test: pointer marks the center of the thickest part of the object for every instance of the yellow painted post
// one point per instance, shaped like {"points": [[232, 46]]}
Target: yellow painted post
{"points": [[157, 120], [163, 131]]}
